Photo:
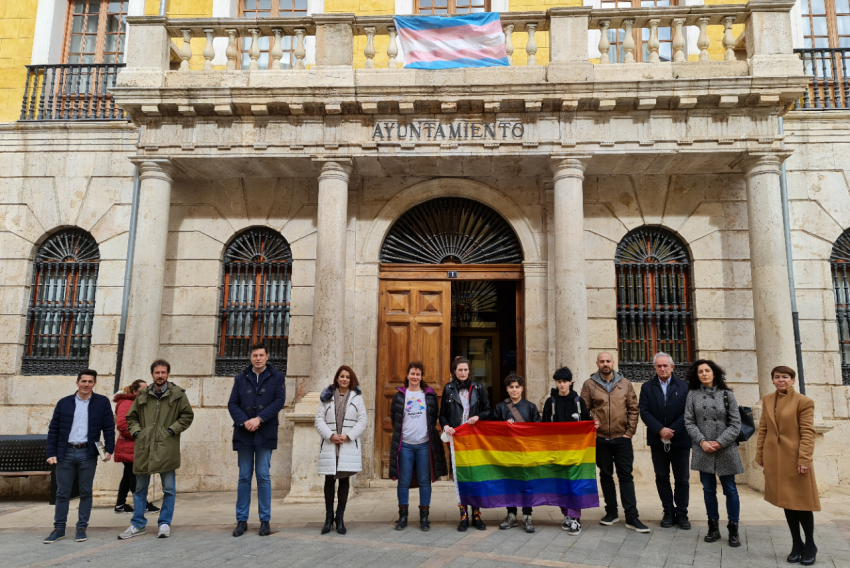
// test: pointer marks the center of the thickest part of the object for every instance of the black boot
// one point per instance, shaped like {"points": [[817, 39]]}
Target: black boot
{"points": [[340, 526], [476, 520], [424, 523], [265, 529], [796, 553], [810, 554], [734, 539], [241, 527], [713, 533], [329, 521], [464, 519], [401, 523]]}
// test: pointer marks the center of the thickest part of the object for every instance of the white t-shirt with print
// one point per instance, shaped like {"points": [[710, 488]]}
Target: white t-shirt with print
{"points": [[415, 425]]}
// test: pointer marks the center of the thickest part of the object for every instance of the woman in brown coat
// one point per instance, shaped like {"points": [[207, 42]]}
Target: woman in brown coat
{"points": [[786, 444]]}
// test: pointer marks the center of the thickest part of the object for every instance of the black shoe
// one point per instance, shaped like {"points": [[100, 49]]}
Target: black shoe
{"points": [[265, 530], [635, 525], [796, 553], [464, 519], [713, 534], [734, 539], [241, 527], [424, 523], [476, 520], [667, 520], [329, 522], [151, 508], [54, 536], [810, 555], [609, 519], [401, 523], [81, 535], [340, 524], [682, 521], [121, 509]]}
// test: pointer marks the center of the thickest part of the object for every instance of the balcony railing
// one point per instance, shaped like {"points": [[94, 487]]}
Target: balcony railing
{"points": [[71, 92], [829, 87]]}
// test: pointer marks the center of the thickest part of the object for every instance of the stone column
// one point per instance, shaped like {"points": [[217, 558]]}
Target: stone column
{"points": [[145, 309], [771, 292], [571, 340]]}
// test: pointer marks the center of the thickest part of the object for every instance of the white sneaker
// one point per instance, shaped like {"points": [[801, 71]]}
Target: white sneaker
{"points": [[164, 531], [568, 522], [575, 528], [131, 532]]}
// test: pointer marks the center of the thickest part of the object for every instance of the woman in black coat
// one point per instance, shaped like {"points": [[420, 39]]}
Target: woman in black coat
{"points": [[464, 401], [405, 454]]}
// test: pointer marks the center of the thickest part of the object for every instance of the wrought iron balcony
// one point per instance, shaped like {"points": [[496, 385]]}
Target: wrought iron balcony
{"points": [[71, 92], [829, 87]]}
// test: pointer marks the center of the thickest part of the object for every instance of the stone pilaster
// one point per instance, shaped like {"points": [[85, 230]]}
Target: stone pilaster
{"points": [[145, 309], [571, 340], [771, 291]]}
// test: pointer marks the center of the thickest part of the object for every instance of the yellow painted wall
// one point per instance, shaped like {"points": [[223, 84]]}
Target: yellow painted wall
{"points": [[181, 8], [17, 28]]}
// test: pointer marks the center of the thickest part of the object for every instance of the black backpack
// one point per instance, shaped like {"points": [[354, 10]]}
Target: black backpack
{"points": [[748, 425]]}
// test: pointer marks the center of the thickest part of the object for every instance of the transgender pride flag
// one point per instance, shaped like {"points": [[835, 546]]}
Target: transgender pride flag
{"points": [[436, 42]]}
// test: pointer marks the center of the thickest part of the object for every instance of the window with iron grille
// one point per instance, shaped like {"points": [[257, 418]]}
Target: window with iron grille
{"points": [[654, 301], [270, 9], [839, 262], [61, 307], [255, 289]]}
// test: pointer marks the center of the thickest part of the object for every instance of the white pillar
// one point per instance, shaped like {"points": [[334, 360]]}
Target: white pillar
{"points": [[571, 340], [771, 292], [145, 309], [328, 344]]}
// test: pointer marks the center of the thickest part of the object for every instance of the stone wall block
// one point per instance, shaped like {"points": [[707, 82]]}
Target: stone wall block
{"points": [[721, 274], [600, 273], [101, 193], [301, 226], [14, 246], [806, 246], [193, 273], [830, 190], [812, 274], [725, 188], [192, 360], [728, 304], [601, 333], [841, 402], [9, 353], [13, 299], [721, 245], [217, 391], [15, 272], [740, 366], [102, 359], [205, 219], [601, 303], [816, 304], [598, 219], [684, 196], [20, 220], [651, 191], [114, 248], [301, 329], [114, 222], [188, 330], [192, 245], [40, 194], [815, 337], [618, 194], [706, 219], [191, 301], [303, 273], [810, 217], [813, 157], [111, 273], [304, 248], [105, 330], [822, 367], [597, 247]]}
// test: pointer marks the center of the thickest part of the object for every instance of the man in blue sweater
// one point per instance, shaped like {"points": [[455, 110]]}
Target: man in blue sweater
{"points": [[77, 423]]}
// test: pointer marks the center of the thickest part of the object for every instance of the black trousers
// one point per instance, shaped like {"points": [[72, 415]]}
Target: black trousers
{"points": [[128, 483], [617, 454], [677, 459], [525, 510]]}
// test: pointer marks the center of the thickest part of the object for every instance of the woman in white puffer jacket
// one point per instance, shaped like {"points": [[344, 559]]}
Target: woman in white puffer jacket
{"points": [[340, 421]]}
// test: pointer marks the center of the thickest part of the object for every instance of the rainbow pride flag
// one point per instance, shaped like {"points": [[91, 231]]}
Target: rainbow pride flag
{"points": [[526, 464]]}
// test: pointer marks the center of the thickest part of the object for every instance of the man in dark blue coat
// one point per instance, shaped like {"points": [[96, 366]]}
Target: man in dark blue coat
{"points": [[258, 395], [77, 423], [662, 409]]}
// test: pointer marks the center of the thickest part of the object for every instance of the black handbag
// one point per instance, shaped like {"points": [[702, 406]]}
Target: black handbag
{"points": [[748, 425]]}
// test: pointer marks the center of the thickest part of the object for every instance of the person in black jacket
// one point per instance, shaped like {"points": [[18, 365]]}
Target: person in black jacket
{"points": [[74, 431], [257, 397], [516, 409], [565, 405], [662, 408], [464, 401], [407, 419]]}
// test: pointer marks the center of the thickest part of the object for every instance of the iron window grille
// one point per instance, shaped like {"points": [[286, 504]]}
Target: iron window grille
{"points": [[839, 262], [451, 230], [255, 295], [61, 308], [654, 301]]}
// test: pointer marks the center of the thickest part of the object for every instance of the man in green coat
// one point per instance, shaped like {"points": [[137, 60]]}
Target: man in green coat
{"points": [[158, 416]]}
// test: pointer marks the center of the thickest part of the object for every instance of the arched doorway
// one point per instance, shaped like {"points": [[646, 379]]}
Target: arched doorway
{"points": [[450, 284]]}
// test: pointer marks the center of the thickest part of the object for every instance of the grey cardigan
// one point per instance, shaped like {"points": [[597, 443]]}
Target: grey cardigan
{"points": [[705, 419]]}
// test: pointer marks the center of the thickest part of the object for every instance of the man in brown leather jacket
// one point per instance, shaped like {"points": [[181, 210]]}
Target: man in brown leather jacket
{"points": [[613, 404]]}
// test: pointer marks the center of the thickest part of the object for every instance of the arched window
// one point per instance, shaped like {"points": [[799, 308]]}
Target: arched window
{"points": [[255, 288], [61, 307], [654, 301], [839, 263]]}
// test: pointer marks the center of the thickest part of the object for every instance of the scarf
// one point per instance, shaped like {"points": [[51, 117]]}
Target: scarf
{"points": [[340, 403]]}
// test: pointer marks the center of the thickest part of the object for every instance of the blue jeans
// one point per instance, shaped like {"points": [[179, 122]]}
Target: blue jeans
{"points": [[251, 459], [408, 457], [76, 463], [709, 490], [140, 498]]}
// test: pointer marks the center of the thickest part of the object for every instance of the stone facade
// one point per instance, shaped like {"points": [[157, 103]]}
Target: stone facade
{"points": [[316, 154]]}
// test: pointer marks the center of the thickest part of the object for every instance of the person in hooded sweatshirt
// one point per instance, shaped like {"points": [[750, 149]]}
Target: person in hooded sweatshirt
{"points": [[565, 405], [516, 409]]}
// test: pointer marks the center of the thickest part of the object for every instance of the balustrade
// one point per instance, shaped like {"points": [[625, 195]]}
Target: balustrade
{"points": [[829, 86]]}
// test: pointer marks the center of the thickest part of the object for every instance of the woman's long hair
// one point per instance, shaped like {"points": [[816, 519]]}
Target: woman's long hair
{"points": [[354, 382], [456, 363], [134, 387], [719, 375]]}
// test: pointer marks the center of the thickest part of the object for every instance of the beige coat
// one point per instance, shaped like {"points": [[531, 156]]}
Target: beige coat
{"points": [[786, 440]]}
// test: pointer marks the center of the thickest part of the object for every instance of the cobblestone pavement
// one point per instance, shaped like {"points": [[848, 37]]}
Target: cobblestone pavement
{"points": [[202, 526]]}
